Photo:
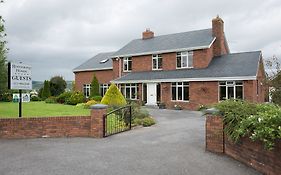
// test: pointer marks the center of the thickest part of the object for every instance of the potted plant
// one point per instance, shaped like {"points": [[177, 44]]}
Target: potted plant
{"points": [[162, 106], [178, 107]]}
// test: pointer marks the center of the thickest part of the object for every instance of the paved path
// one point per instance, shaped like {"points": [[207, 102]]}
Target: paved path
{"points": [[175, 145]]}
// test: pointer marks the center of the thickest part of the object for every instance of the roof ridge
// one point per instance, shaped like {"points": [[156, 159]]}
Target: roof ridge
{"points": [[176, 33]]}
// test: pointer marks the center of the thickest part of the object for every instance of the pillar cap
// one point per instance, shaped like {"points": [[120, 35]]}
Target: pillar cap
{"points": [[99, 106], [211, 111]]}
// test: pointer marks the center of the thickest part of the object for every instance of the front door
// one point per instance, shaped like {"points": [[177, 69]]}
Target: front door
{"points": [[151, 94]]}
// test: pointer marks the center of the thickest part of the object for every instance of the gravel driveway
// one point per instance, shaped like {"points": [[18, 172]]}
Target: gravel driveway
{"points": [[175, 145]]}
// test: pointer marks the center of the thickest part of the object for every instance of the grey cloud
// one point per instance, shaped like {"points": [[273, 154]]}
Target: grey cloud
{"points": [[56, 36]]}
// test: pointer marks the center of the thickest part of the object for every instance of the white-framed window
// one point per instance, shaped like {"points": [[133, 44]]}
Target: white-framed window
{"points": [[127, 64], [231, 89], [185, 59], [103, 88], [87, 90], [129, 91], [180, 91], [156, 62]]}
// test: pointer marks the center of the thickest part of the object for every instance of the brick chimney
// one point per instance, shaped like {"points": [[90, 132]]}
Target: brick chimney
{"points": [[218, 32], [147, 34]]}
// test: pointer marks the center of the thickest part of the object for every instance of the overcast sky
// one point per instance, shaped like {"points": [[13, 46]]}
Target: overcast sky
{"points": [[55, 36]]}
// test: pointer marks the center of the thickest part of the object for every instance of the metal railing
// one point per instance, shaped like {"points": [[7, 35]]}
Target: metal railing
{"points": [[118, 120]]}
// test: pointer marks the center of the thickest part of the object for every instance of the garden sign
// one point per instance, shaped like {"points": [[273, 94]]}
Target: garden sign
{"points": [[19, 78]]}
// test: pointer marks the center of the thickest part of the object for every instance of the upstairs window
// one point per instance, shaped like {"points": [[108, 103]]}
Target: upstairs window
{"points": [[185, 59], [156, 62], [231, 89], [127, 64]]}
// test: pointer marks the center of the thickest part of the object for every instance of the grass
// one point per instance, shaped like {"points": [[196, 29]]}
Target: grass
{"points": [[41, 109]]}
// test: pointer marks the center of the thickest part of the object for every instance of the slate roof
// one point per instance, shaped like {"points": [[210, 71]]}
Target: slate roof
{"points": [[191, 40], [231, 65], [95, 63]]}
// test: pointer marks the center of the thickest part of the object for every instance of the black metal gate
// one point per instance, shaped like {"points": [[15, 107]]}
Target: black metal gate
{"points": [[118, 120]]}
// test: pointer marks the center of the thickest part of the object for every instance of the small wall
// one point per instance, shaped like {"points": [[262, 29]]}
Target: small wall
{"points": [[251, 153], [74, 126]]}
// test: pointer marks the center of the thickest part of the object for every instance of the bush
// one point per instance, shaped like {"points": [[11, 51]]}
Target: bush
{"points": [[57, 85], [6, 97], [148, 121], [75, 98], [113, 97], [260, 122], [96, 98], [276, 96], [51, 99], [90, 103], [35, 98], [95, 87], [46, 90], [62, 98]]}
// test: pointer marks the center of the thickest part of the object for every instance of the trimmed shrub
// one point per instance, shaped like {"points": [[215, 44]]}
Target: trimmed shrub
{"points": [[75, 98], [51, 99], [35, 98], [46, 90], [96, 98], [90, 103], [148, 121], [113, 97], [62, 98]]}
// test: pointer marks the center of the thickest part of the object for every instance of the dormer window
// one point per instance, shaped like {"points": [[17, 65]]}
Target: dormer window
{"points": [[127, 64], [156, 62], [185, 59], [104, 61]]}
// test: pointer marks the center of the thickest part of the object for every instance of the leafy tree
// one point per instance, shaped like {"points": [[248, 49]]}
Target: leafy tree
{"points": [[57, 85], [113, 97], [46, 90], [3, 59], [95, 87]]}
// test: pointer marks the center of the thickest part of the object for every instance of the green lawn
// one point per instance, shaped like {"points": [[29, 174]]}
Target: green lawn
{"points": [[40, 109]]}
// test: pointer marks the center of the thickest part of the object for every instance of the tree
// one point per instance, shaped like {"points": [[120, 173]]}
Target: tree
{"points": [[274, 79], [57, 85], [95, 87], [113, 97], [3, 59], [46, 90]]}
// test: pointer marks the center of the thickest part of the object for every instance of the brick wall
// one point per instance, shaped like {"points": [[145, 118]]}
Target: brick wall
{"points": [[199, 93], [202, 58], [214, 134], [81, 78], [251, 153], [73, 126]]}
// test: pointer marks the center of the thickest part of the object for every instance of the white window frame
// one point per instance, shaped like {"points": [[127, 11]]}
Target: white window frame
{"points": [[104, 87], [87, 90], [230, 84], [157, 57], [177, 85], [181, 55], [127, 60], [130, 87]]}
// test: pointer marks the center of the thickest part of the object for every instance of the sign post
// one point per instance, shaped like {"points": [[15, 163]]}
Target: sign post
{"points": [[19, 77]]}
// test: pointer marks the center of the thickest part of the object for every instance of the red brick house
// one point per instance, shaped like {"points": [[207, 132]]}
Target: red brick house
{"points": [[187, 69]]}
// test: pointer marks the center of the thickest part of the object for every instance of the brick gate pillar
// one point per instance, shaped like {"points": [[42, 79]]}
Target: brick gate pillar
{"points": [[214, 132], [97, 118]]}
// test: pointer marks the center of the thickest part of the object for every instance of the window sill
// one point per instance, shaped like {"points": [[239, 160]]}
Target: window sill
{"points": [[184, 101], [184, 67], [126, 71], [156, 69]]}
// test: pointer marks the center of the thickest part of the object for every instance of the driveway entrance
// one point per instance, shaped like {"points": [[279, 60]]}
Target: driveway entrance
{"points": [[175, 145]]}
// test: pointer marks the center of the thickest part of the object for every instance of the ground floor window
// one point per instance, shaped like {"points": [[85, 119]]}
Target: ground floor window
{"points": [[86, 90], [180, 91], [103, 88], [231, 89], [130, 91]]}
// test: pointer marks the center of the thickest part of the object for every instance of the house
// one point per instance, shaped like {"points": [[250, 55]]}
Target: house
{"points": [[186, 69]]}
